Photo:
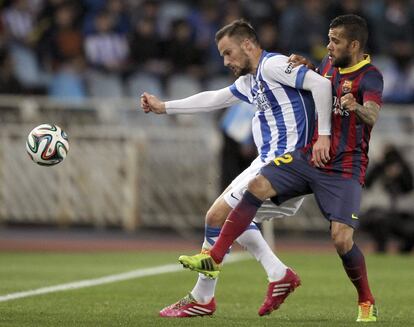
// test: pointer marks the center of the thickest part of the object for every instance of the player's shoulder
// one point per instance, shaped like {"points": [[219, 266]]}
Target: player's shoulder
{"points": [[325, 65], [371, 73], [373, 70], [274, 63], [274, 58]]}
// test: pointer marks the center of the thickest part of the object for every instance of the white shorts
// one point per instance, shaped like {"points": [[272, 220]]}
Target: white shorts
{"points": [[268, 210]]}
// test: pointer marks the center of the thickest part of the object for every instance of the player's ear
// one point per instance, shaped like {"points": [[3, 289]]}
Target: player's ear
{"points": [[246, 44], [355, 45]]}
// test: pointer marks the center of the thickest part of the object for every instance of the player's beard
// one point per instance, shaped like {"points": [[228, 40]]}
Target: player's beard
{"points": [[244, 69], [342, 61]]}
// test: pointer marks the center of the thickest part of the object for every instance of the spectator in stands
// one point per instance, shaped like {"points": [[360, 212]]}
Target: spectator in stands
{"points": [[19, 33], [269, 36], [303, 28], [18, 23], [395, 24], [118, 11], [204, 21], [399, 73], [62, 42], [146, 48], [8, 83], [106, 50], [396, 177], [182, 53]]}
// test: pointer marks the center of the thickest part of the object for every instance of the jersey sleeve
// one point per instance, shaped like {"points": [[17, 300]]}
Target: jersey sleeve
{"points": [[277, 69], [324, 66], [372, 86], [241, 89]]}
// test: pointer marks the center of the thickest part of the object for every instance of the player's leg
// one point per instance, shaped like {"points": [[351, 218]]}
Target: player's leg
{"points": [[241, 216], [284, 174], [200, 301], [259, 188], [339, 200], [353, 262]]}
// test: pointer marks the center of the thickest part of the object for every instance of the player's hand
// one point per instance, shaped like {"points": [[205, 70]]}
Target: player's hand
{"points": [[349, 102], [298, 60], [150, 103], [320, 151]]}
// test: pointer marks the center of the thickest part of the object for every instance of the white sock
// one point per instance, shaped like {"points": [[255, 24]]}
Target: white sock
{"points": [[252, 240], [205, 287]]}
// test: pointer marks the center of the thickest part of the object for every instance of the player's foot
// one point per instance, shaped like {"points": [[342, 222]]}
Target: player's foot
{"points": [[367, 312], [202, 262], [278, 291], [187, 307]]}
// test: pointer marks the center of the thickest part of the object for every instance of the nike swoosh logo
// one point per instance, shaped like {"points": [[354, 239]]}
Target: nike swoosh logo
{"points": [[232, 195], [328, 76], [354, 216]]}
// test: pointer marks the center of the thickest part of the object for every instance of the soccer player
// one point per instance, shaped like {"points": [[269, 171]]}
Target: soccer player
{"points": [[357, 88], [286, 98]]}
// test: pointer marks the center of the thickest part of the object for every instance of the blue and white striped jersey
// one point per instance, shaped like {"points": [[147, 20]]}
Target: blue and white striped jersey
{"points": [[285, 116]]}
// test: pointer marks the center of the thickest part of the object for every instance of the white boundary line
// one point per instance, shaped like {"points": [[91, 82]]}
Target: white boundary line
{"points": [[139, 273]]}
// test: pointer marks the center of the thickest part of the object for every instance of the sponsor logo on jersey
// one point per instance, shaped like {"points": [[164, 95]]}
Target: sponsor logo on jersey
{"points": [[337, 109], [261, 99], [289, 68]]}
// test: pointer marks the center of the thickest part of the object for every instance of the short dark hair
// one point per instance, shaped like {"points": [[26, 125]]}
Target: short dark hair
{"points": [[355, 28], [240, 29]]}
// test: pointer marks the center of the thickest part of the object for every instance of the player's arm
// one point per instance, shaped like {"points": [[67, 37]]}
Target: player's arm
{"points": [[200, 102], [322, 96], [367, 113]]}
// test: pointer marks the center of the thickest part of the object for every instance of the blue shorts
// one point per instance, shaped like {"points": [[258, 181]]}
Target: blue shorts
{"points": [[339, 198]]}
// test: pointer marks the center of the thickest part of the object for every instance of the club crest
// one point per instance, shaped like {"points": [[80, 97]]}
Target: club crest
{"points": [[346, 87]]}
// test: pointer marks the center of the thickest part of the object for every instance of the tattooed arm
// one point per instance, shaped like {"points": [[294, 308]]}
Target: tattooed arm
{"points": [[368, 112]]}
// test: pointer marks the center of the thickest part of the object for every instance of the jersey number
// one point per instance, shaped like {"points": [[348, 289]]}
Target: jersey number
{"points": [[287, 158]]}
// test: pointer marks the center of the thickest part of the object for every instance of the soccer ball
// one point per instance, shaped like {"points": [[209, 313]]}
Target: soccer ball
{"points": [[47, 144]]}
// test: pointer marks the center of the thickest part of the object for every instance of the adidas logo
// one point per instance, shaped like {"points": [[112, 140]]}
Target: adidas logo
{"points": [[197, 311], [280, 289]]}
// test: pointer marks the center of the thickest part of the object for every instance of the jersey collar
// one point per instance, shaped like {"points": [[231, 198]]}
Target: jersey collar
{"points": [[365, 61], [264, 53]]}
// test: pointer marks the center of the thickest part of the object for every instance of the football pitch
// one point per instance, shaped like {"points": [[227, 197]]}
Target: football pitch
{"points": [[326, 297]]}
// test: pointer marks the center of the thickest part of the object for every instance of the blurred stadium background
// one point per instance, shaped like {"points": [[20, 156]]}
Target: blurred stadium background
{"points": [[83, 64]]}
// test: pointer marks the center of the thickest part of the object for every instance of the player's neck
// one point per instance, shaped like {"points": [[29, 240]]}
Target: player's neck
{"points": [[356, 60], [256, 56]]}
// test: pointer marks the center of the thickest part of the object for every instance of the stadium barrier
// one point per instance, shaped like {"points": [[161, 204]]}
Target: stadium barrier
{"points": [[131, 170]]}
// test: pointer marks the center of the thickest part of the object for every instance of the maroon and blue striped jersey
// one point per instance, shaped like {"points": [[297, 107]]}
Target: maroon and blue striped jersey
{"points": [[349, 135]]}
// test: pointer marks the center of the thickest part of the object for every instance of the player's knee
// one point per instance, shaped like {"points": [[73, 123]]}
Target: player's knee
{"points": [[261, 187], [214, 218], [342, 241]]}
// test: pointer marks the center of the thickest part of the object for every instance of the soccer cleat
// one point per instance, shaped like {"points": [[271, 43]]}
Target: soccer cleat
{"points": [[367, 312], [202, 263], [187, 307], [278, 291]]}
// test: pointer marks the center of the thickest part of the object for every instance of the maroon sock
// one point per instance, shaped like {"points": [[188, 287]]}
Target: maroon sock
{"points": [[354, 264], [236, 223]]}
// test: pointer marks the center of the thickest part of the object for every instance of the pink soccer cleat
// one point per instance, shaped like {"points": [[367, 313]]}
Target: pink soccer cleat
{"points": [[187, 307], [278, 291]]}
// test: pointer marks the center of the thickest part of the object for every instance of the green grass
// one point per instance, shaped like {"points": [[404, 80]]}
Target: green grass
{"points": [[326, 297]]}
